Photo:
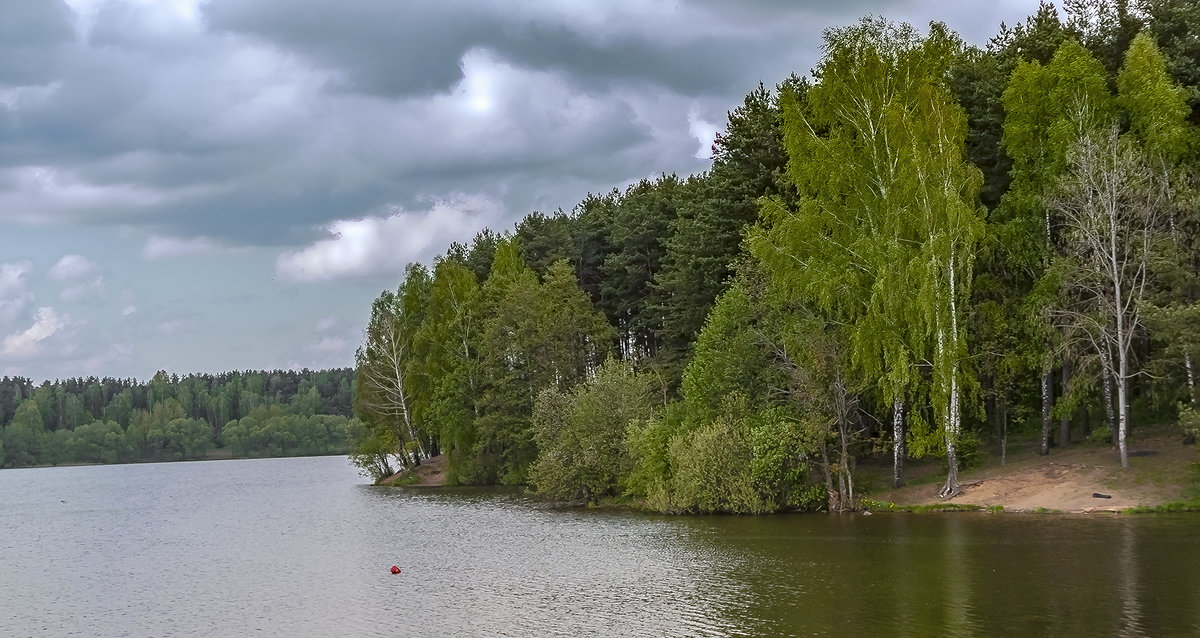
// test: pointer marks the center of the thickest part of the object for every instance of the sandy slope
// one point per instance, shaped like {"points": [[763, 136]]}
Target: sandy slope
{"points": [[1068, 479], [432, 472]]}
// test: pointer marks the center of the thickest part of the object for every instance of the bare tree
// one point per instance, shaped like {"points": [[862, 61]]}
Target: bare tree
{"points": [[1110, 200]]}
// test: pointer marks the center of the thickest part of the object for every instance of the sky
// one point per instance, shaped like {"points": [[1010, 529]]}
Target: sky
{"points": [[211, 185]]}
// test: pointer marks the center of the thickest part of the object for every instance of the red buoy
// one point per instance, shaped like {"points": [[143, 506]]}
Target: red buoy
{"points": [[395, 570]]}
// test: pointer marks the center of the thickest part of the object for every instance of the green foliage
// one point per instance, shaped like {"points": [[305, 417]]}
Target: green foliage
{"points": [[371, 450], [165, 431], [731, 355], [1189, 419], [580, 434], [1174, 24], [649, 443], [546, 239], [711, 469], [705, 238], [24, 435], [782, 455], [1101, 435], [448, 341], [742, 461], [71, 408], [638, 232], [1156, 107], [274, 431], [98, 442]]}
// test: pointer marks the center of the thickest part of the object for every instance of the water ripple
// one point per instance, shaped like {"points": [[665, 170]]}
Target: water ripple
{"points": [[288, 547]]}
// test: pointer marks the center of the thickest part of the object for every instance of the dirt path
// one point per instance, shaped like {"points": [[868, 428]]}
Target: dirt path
{"points": [[1068, 480], [431, 473]]}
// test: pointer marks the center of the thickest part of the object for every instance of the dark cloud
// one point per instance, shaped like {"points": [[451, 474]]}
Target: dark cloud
{"points": [[414, 47], [31, 33], [268, 119], [222, 162]]}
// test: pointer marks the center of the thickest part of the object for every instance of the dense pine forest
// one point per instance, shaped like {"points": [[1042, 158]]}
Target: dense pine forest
{"points": [[172, 418], [920, 250]]}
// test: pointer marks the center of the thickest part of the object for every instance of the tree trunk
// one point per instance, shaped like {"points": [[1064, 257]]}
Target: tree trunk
{"points": [[898, 448], [834, 505], [1123, 347], [1003, 431], [845, 481], [1047, 406], [950, 489], [847, 470], [1064, 426], [1122, 408], [953, 425], [1109, 414], [1191, 375]]}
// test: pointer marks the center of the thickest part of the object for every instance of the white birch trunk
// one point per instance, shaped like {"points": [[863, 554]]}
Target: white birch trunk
{"points": [[1064, 425], [1047, 405], [952, 425], [898, 443], [1122, 342], [1109, 413], [1122, 406], [1191, 375]]}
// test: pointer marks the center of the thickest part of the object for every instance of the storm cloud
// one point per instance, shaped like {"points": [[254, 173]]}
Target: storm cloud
{"points": [[278, 146]]}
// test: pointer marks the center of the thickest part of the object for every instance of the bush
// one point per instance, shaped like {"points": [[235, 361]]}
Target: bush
{"points": [[1189, 420], [1101, 435]]}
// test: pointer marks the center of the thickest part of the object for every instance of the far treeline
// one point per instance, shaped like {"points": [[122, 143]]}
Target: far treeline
{"points": [[927, 249], [172, 418]]}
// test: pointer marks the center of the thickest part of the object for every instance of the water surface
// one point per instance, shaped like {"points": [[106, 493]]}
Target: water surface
{"points": [[302, 546]]}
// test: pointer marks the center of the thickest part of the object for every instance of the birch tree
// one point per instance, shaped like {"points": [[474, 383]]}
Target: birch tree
{"points": [[883, 238], [946, 203], [1158, 111], [1110, 199], [388, 370], [1048, 108]]}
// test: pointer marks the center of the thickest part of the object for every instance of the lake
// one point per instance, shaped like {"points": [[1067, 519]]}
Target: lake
{"points": [[303, 547]]}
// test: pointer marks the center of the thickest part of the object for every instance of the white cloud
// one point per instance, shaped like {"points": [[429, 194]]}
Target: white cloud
{"points": [[13, 295], [327, 351], [704, 132], [173, 326], [164, 247], [12, 277], [79, 292], [326, 324], [72, 267], [39, 194], [27, 343], [383, 245], [12, 307], [329, 345], [129, 310], [102, 363]]}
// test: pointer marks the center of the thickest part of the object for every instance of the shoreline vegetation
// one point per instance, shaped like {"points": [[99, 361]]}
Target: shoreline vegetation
{"points": [[927, 260], [1163, 478]]}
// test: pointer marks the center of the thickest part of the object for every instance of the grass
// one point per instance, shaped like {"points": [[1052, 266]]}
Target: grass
{"points": [[879, 506], [1175, 507], [406, 479], [1190, 503]]}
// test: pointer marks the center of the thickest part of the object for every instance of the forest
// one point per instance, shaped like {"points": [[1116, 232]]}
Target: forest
{"points": [[172, 418], [918, 251]]}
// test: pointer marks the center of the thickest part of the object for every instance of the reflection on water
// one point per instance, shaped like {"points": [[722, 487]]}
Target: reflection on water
{"points": [[302, 547]]}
